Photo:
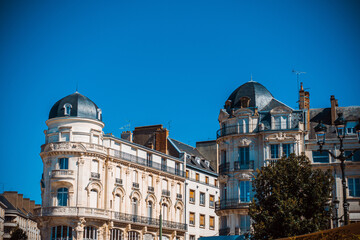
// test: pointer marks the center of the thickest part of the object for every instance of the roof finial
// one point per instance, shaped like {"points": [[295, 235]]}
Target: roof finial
{"points": [[251, 80], [77, 86]]}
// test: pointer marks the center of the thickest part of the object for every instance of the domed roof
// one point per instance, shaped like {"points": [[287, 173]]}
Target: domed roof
{"points": [[259, 96], [75, 105]]}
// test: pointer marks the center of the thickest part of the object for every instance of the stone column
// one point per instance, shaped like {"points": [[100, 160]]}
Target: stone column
{"points": [[79, 229]]}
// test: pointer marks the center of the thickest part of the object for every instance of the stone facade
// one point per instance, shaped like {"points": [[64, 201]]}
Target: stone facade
{"points": [[97, 186]]}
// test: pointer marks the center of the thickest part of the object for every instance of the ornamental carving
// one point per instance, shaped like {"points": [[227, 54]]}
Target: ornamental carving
{"points": [[281, 136], [243, 176], [64, 146], [244, 142], [223, 178]]}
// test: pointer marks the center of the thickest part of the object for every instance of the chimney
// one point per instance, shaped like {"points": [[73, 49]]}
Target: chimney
{"points": [[32, 206], [20, 201], [304, 104], [161, 137], [127, 135], [12, 197], [334, 105], [26, 204]]}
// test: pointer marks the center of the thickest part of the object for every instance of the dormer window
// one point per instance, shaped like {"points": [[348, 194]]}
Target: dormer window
{"points": [[99, 113], [280, 122], [245, 101], [67, 109]]}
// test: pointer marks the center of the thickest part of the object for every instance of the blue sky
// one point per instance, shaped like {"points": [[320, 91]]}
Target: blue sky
{"points": [[163, 62]]}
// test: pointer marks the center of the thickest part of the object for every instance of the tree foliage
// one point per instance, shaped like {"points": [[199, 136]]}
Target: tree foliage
{"points": [[18, 234], [291, 199]]}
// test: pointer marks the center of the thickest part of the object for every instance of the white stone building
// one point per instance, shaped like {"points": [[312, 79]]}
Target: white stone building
{"points": [[201, 186], [255, 130], [97, 186]]}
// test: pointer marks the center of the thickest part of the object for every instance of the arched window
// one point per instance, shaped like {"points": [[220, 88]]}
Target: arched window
{"points": [[116, 234], [61, 233], [62, 197], [150, 209], [134, 204], [90, 233], [117, 203], [67, 109], [93, 198], [132, 235]]}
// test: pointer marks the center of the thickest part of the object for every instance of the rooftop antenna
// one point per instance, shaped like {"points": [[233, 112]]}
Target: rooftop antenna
{"points": [[251, 80], [77, 86], [169, 125], [298, 73]]}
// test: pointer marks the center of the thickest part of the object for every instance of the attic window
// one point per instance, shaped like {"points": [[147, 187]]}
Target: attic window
{"points": [[244, 102], [67, 109], [99, 113]]}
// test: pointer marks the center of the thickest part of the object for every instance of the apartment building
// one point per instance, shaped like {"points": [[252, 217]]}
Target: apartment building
{"points": [[98, 186]]}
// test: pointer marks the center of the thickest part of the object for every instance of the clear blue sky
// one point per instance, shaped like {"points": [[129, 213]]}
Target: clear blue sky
{"points": [[152, 62]]}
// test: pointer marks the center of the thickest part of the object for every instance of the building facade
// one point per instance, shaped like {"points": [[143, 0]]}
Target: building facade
{"points": [[17, 212], [255, 130], [201, 187], [97, 186]]}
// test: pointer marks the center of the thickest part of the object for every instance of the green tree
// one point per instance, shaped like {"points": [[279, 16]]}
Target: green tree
{"points": [[290, 199], [18, 234]]}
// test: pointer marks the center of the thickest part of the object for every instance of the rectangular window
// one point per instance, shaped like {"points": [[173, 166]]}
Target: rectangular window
{"points": [[197, 177], [244, 125], [192, 196], [211, 201], [163, 164], [202, 198], [355, 157], [192, 237], [244, 223], [354, 187], [223, 157], [320, 157], [287, 149], [192, 218], [148, 159], [350, 128], [202, 220], [245, 191], [215, 182], [206, 180], [187, 173], [65, 137], [274, 150], [244, 157], [63, 163], [211, 222]]}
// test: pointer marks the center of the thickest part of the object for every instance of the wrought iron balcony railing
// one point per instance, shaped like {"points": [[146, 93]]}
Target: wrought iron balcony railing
{"points": [[165, 193], [244, 166], [253, 128], [109, 215], [145, 162], [135, 185], [119, 181], [62, 172], [224, 168], [95, 175], [231, 204]]}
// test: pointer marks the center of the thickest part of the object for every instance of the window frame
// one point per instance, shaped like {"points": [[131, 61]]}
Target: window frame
{"points": [[202, 201]]}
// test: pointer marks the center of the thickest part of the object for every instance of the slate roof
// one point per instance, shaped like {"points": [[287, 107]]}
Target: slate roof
{"points": [[258, 94], [351, 113], [81, 107], [193, 154]]}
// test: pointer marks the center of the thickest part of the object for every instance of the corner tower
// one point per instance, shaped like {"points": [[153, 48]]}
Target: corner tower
{"points": [[255, 130]]}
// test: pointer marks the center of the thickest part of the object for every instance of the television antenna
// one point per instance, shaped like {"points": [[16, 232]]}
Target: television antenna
{"points": [[126, 127], [298, 73]]}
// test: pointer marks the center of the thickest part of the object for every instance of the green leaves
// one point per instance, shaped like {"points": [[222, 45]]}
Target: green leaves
{"points": [[290, 199]]}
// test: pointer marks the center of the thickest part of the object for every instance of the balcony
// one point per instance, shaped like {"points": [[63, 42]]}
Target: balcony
{"points": [[231, 204], [179, 196], [62, 173], [151, 189], [244, 166], [165, 193], [95, 175], [224, 231], [224, 168], [108, 215], [135, 185], [118, 181], [145, 162], [271, 161]]}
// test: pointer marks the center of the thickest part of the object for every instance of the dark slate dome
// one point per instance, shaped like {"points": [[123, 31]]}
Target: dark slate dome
{"points": [[75, 105], [259, 96]]}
